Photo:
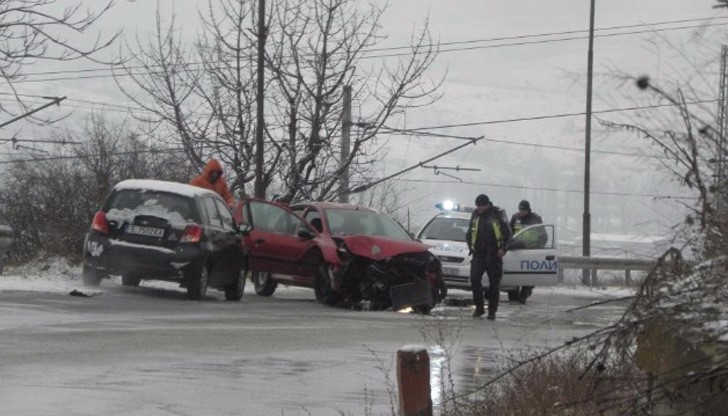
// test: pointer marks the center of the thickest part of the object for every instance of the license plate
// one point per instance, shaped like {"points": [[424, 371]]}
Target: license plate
{"points": [[145, 231], [450, 271]]}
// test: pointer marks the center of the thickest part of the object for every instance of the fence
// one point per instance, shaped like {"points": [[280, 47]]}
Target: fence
{"points": [[593, 264]]}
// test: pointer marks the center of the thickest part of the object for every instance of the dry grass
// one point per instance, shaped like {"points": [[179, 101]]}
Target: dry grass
{"points": [[560, 385]]}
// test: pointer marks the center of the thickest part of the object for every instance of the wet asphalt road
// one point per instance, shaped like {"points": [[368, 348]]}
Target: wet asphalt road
{"points": [[148, 351]]}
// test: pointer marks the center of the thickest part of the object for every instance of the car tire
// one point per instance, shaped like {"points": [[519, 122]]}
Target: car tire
{"points": [[264, 284], [524, 294], [197, 284], [513, 295], [131, 279], [322, 286], [234, 291], [90, 277]]}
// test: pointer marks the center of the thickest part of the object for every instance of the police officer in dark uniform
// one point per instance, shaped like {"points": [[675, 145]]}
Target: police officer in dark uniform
{"points": [[488, 236], [531, 239], [524, 218]]}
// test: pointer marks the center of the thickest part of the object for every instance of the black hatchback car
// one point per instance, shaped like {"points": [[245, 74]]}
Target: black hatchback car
{"points": [[148, 229]]}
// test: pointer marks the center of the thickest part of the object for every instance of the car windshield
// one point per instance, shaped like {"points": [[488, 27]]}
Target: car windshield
{"points": [[446, 228], [355, 222], [128, 203]]}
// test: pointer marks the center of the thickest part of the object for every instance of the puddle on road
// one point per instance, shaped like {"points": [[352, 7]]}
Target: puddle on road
{"points": [[463, 374]]}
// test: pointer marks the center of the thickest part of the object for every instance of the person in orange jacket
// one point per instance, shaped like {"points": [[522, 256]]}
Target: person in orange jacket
{"points": [[212, 179]]}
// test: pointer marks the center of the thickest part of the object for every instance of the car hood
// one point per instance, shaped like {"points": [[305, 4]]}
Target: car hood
{"points": [[380, 248], [447, 246]]}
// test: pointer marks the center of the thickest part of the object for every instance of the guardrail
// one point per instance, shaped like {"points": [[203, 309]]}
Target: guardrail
{"points": [[603, 263]]}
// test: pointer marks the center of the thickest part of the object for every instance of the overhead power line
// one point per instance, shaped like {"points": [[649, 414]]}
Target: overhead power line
{"points": [[449, 47], [551, 116], [180, 150], [130, 152], [369, 185], [535, 188], [536, 42], [424, 131], [548, 34], [442, 44], [528, 144]]}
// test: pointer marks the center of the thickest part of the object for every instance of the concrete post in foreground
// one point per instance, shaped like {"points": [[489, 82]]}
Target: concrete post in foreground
{"points": [[413, 381]]}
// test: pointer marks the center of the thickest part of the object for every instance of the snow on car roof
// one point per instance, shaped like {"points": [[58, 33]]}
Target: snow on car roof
{"points": [[163, 186]]}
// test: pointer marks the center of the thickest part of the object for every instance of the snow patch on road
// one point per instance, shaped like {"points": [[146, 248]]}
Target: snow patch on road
{"points": [[58, 276]]}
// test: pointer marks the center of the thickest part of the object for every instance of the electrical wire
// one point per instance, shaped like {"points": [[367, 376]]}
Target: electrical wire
{"points": [[379, 56], [528, 144], [533, 188], [130, 152], [552, 116]]}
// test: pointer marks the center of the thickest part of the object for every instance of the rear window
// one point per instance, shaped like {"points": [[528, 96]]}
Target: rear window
{"points": [[443, 228], [126, 204]]}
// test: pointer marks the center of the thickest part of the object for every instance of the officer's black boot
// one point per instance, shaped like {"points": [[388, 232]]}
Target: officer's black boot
{"points": [[491, 315], [479, 311]]}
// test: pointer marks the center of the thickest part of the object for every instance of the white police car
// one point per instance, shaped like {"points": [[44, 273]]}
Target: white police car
{"points": [[525, 265]]}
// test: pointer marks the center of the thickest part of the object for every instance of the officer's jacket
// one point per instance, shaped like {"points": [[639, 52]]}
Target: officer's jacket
{"points": [[488, 231], [531, 238], [518, 223]]}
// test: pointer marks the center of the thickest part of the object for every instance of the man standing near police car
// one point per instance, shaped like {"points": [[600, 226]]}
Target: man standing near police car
{"points": [[531, 238], [487, 237]]}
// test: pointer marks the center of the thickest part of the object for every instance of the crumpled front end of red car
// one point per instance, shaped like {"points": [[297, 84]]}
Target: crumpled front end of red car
{"points": [[409, 279]]}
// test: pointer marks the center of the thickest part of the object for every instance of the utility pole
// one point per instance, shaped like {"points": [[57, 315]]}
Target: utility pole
{"points": [[720, 191], [586, 220], [259, 186], [345, 144]]}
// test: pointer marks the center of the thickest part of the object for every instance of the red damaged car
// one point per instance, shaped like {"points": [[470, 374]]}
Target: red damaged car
{"points": [[346, 253]]}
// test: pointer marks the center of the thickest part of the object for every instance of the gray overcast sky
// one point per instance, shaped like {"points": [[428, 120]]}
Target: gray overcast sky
{"points": [[489, 83]]}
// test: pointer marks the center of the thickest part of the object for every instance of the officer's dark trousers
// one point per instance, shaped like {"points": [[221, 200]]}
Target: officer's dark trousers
{"points": [[493, 265]]}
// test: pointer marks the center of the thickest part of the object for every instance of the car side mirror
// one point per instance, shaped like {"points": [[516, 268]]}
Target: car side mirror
{"points": [[244, 228], [305, 234]]}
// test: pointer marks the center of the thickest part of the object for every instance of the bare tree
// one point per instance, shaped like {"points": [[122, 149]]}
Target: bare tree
{"points": [[206, 93], [34, 30], [318, 48]]}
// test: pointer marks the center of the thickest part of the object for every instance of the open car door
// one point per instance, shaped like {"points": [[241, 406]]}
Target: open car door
{"points": [[272, 238], [531, 258]]}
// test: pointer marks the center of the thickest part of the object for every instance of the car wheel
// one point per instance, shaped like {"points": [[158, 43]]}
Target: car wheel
{"points": [[264, 284], [524, 294], [131, 279], [90, 277], [322, 286], [234, 291], [513, 295], [197, 284]]}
